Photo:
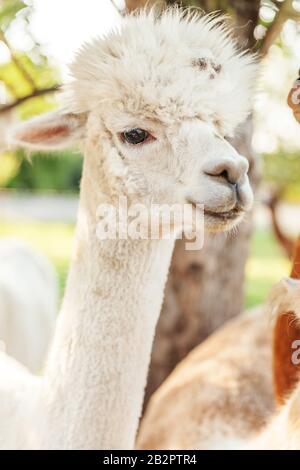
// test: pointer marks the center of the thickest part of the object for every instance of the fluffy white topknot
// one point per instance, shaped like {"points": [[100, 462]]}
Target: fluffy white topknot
{"points": [[170, 66]]}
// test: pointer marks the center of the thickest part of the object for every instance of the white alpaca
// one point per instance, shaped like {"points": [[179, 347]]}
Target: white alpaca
{"points": [[222, 393], [28, 303], [151, 103]]}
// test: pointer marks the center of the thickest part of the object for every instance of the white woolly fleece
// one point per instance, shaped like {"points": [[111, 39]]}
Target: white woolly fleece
{"points": [[180, 65]]}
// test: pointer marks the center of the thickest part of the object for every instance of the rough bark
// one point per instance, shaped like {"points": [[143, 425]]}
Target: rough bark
{"points": [[132, 5]]}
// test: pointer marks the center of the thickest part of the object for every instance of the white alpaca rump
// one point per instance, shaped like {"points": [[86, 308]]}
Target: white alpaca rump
{"points": [[28, 303]]}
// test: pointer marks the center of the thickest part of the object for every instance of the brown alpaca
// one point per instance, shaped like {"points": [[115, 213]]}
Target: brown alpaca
{"points": [[221, 395], [286, 332], [221, 390]]}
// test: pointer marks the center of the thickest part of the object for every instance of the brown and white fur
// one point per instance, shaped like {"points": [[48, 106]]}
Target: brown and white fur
{"points": [[221, 396]]}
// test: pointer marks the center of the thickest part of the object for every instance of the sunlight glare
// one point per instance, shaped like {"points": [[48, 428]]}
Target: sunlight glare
{"points": [[62, 26]]}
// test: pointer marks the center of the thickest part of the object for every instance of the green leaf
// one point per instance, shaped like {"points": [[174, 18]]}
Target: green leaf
{"points": [[8, 11]]}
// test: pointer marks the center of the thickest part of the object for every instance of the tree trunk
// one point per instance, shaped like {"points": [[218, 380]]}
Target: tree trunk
{"points": [[205, 288], [132, 5]]}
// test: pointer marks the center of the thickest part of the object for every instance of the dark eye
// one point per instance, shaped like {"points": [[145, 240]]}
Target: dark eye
{"points": [[135, 136]]}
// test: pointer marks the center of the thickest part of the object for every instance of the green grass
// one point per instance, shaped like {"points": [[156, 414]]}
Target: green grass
{"points": [[266, 264]]}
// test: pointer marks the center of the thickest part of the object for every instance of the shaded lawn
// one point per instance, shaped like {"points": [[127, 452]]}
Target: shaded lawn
{"points": [[266, 264]]}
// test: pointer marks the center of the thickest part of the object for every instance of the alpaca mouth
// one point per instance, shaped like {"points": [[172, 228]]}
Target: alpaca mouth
{"points": [[233, 214], [220, 216]]}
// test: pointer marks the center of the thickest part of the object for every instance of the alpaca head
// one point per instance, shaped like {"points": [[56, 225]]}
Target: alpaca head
{"points": [[153, 103], [285, 297]]}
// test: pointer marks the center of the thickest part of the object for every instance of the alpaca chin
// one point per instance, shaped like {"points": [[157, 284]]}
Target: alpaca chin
{"points": [[215, 223]]}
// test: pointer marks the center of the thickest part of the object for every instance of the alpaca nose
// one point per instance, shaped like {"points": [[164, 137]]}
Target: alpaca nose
{"points": [[231, 171]]}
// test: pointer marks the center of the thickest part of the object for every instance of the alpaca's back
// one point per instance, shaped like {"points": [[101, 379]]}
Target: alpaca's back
{"points": [[220, 395], [28, 303], [19, 394]]}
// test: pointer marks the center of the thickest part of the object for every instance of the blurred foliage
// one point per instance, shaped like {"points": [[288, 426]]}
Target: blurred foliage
{"points": [[282, 171], [8, 11], [40, 73], [26, 74], [266, 264], [9, 167], [59, 172]]}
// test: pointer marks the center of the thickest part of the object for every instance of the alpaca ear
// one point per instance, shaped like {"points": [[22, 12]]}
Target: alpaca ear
{"points": [[285, 297], [49, 132]]}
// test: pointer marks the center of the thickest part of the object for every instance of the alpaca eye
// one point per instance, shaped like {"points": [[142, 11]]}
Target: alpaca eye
{"points": [[135, 136]]}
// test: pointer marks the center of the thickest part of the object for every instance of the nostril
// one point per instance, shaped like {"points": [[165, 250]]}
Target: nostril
{"points": [[224, 174]]}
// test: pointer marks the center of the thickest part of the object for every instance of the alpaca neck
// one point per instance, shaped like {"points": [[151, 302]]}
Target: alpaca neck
{"points": [[97, 370]]}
